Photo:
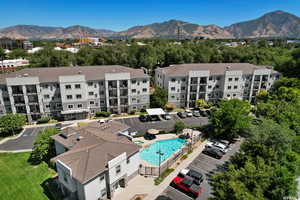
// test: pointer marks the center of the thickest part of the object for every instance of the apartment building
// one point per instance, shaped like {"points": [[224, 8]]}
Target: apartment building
{"points": [[95, 161], [186, 83], [70, 93]]}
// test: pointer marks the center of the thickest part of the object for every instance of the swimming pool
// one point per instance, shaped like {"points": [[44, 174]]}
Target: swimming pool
{"points": [[167, 147]]}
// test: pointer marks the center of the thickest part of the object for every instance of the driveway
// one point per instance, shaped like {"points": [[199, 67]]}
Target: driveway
{"points": [[207, 166], [142, 127], [25, 141]]}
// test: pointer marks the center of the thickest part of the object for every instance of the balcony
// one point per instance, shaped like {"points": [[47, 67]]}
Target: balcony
{"points": [[123, 93]]}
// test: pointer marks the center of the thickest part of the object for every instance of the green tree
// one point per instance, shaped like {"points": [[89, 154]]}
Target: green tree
{"points": [[179, 126], [43, 147], [231, 118], [159, 98], [17, 53], [262, 96], [11, 124]]}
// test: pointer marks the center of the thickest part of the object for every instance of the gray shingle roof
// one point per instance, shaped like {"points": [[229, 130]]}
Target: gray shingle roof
{"points": [[51, 74], [214, 68]]}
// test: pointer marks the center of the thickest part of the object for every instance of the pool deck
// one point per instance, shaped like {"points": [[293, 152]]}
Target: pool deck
{"points": [[147, 143]]}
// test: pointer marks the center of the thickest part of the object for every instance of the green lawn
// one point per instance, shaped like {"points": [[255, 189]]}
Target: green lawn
{"points": [[20, 180]]}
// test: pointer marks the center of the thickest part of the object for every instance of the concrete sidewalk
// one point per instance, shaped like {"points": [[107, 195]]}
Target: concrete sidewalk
{"points": [[142, 185]]}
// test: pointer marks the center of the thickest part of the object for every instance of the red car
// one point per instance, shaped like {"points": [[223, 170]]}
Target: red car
{"points": [[186, 184]]}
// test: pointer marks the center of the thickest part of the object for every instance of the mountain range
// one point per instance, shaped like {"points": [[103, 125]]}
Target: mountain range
{"points": [[273, 24]]}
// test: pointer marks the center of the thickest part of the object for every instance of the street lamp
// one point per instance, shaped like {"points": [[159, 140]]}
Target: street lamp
{"points": [[160, 153]]}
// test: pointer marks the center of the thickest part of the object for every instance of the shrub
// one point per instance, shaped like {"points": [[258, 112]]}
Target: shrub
{"points": [[102, 114], [43, 120], [132, 112], [143, 110], [169, 107], [162, 132], [163, 175], [184, 157], [11, 124], [43, 148], [178, 127]]}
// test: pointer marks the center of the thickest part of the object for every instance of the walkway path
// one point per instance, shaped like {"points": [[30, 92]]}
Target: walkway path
{"points": [[142, 185]]}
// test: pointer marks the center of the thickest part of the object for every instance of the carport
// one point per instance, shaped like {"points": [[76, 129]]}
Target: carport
{"points": [[155, 111]]}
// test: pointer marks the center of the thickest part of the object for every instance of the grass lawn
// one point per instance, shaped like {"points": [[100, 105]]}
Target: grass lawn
{"points": [[20, 180]]}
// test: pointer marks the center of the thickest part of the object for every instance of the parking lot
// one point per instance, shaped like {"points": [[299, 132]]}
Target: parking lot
{"points": [[142, 127], [207, 166]]}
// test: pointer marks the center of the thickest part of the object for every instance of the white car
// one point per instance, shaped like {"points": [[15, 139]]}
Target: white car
{"points": [[189, 113], [222, 147]]}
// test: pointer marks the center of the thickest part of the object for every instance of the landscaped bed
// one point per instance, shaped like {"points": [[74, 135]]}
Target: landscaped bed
{"points": [[20, 179]]}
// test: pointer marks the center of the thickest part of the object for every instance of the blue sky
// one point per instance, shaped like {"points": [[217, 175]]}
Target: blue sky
{"points": [[119, 15]]}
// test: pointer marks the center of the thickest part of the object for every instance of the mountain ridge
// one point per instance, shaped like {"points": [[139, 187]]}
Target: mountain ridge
{"points": [[273, 24]]}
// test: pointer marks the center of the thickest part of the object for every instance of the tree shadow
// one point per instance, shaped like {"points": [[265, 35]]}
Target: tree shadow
{"points": [[51, 189]]}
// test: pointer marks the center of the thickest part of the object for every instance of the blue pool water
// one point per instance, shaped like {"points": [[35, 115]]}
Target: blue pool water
{"points": [[167, 147]]}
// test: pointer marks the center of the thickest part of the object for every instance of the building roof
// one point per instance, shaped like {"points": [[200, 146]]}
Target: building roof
{"points": [[214, 68], [92, 146], [51, 74]]}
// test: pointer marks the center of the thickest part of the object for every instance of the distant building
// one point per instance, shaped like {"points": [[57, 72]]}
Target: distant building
{"points": [[186, 83], [10, 43], [34, 50], [11, 65], [95, 161]]}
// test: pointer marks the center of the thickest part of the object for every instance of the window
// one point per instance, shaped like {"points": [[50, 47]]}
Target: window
{"points": [[65, 178], [182, 88], [58, 105], [229, 87], [68, 87], [47, 106], [236, 79], [45, 86], [144, 89], [118, 169], [78, 96], [234, 95], [145, 81], [92, 102], [90, 83], [77, 86], [235, 87], [218, 78], [70, 106], [103, 192], [183, 79], [133, 81], [209, 87], [172, 97], [101, 83], [173, 79], [228, 95], [101, 92], [69, 97], [91, 93], [46, 96], [229, 79], [128, 160], [133, 90], [172, 88], [79, 106], [210, 78], [133, 99], [217, 86]]}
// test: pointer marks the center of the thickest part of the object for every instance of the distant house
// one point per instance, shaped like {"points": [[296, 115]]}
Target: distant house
{"points": [[12, 64], [95, 161]]}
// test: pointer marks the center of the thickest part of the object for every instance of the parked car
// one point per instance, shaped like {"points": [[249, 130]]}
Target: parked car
{"points": [[186, 184], [58, 126], [189, 113], [208, 112], [143, 118], [203, 113], [217, 145], [213, 152], [196, 113], [195, 174], [166, 116], [182, 114], [148, 136]]}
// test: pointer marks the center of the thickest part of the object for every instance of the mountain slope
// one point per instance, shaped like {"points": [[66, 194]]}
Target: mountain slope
{"points": [[43, 32], [273, 24], [170, 29]]}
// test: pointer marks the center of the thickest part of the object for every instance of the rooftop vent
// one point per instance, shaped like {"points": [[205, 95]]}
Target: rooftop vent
{"points": [[79, 138], [25, 75]]}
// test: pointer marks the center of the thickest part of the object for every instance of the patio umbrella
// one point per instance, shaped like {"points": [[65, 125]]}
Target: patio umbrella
{"points": [[153, 131]]}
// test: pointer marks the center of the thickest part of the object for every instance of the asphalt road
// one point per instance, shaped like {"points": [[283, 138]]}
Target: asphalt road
{"points": [[207, 166], [142, 127]]}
